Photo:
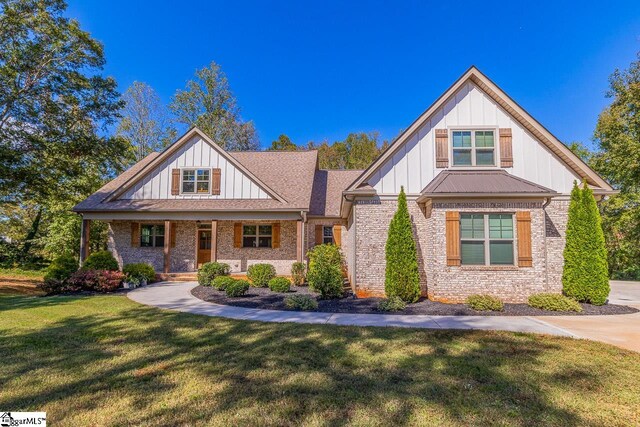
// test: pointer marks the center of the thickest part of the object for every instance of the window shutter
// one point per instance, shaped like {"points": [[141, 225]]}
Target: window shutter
{"points": [[442, 148], [175, 182], [453, 237], [215, 181], [523, 219], [172, 242], [319, 235], [506, 148], [135, 234], [275, 235], [337, 234], [237, 235]]}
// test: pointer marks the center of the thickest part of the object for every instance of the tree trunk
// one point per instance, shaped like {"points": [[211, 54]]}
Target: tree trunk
{"points": [[31, 234]]}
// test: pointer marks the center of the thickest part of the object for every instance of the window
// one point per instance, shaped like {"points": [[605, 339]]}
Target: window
{"points": [[256, 236], [473, 148], [195, 181], [151, 235], [481, 248], [327, 234]]}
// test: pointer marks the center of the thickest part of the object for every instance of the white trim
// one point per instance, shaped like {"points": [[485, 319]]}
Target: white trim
{"points": [[195, 182], [473, 166]]}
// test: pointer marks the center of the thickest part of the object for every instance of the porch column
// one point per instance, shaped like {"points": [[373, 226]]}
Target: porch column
{"points": [[167, 246], [214, 240], [85, 229], [299, 241]]}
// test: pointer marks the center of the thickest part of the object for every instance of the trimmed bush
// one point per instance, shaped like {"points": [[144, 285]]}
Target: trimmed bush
{"points": [[260, 274], [485, 303], [401, 274], [140, 271], [211, 270], [301, 302], [325, 271], [221, 282], [298, 273], [394, 303], [84, 279], [237, 288], [279, 284], [554, 302], [101, 260], [60, 269], [109, 281]]}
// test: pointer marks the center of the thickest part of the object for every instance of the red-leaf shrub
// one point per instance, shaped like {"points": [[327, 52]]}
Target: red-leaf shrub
{"points": [[83, 279], [109, 281], [95, 280]]}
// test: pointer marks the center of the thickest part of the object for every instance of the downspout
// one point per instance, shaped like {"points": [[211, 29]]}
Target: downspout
{"points": [[304, 242], [546, 249]]}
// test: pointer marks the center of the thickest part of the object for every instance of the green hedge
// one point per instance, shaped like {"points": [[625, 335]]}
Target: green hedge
{"points": [[325, 271], [237, 288], [260, 274], [60, 269], [280, 284], [140, 271], [554, 302], [485, 303], [210, 271], [394, 303], [301, 302], [101, 260], [221, 282]]}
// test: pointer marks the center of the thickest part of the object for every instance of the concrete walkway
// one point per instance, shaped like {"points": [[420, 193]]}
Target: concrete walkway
{"points": [[177, 296]]}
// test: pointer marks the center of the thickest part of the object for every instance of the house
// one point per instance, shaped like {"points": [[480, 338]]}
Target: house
{"points": [[487, 185]]}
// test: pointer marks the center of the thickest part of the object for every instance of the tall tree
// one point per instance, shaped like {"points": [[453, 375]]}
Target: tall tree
{"points": [[207, 102], [145, 121], [356, 151], [283, 143]]}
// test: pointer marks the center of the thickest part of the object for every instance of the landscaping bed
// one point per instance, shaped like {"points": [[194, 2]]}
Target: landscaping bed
{"points": [[263, 298]]}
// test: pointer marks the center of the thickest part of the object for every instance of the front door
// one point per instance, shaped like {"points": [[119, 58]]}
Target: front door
{"points": [[204, 247]]}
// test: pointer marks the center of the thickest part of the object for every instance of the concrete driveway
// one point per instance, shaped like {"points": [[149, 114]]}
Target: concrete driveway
{"points": [[622, 331]]}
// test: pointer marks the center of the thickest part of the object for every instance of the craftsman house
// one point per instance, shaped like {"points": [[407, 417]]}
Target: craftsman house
{"points": [[488, 190]]}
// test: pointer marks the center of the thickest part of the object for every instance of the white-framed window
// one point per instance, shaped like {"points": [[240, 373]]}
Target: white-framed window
{"points": [[473, 147], [486, 239], [151, 235], [196, 181], [327, 234], [256, 236]]}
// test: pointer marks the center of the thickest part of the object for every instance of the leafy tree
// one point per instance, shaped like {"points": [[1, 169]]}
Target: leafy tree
{"points": [[145, 123], [357, 151], [207, 102], [283, 143], [402, 278]]}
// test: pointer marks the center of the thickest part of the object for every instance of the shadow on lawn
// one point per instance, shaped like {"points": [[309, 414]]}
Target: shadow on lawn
{"points": [[295, 372]]}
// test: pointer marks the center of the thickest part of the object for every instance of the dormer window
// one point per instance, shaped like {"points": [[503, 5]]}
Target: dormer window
{"points": [[195, 181], [474, 148]]}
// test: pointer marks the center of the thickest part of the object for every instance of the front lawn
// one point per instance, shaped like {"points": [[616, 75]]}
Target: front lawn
{"points": [[105, 360], [20, 281]]}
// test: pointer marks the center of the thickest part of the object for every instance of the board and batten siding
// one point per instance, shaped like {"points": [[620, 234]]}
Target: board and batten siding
{"points": [[414, 164], [196, 153]]}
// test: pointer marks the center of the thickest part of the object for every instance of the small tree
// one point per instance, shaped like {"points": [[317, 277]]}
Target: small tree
{"points": [[401, 276], [573, 271]]}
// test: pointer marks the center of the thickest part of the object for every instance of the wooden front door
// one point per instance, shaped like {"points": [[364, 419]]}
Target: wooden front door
{"points": [[204, 247]]}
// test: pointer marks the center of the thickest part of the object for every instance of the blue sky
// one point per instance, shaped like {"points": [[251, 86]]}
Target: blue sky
{"points": [[319, 70]]}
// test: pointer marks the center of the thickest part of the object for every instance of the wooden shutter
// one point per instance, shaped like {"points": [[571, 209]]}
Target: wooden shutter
{"points": [[442, 148], [175, 182], [135, 234], [453, 237], [337, 234], [237, 235], [523, 219], [172, 236], [319, 234], [506, 148], [275, 235], [215, 181]]}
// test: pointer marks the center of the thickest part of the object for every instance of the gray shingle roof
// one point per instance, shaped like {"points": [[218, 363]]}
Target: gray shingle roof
{"points": [[327, 190], [487, 182]]}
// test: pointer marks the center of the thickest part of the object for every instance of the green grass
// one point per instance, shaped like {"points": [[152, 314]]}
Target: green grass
{"points": [[22, 273], [105, 360]]}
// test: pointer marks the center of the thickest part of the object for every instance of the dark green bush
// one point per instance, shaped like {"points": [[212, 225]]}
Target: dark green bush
{"points": [[301, 302], [61, 269], [221, 282], [140, 271], [394, 303], [485, 303], [210, 271], [325, 271], [237, 288], [554, 302], [260, 274], [101, 260], [298, 273], [280, 284]]}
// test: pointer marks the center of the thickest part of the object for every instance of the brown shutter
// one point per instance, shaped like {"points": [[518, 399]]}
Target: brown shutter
{"points": [[337, 234], [275, 235], [506, 149], [215, 181], [135, 234], [442, 148], [319, 235], [453, 238], [523, 219], [175, 182], [237, 235], [172, 242]]}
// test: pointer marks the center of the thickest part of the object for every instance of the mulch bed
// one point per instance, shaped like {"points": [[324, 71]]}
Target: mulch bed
{"points": [[263, 298]]}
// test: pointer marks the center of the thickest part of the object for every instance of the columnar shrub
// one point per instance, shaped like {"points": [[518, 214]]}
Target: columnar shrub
{"points": [[325, 271], [210, 271], [301, 302], [280, 284], [260, 274], [221, 282], [237, 288], [140, 271], [298, 270], [485, 303], [401, 275], [101, 260], [554, 302]]}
